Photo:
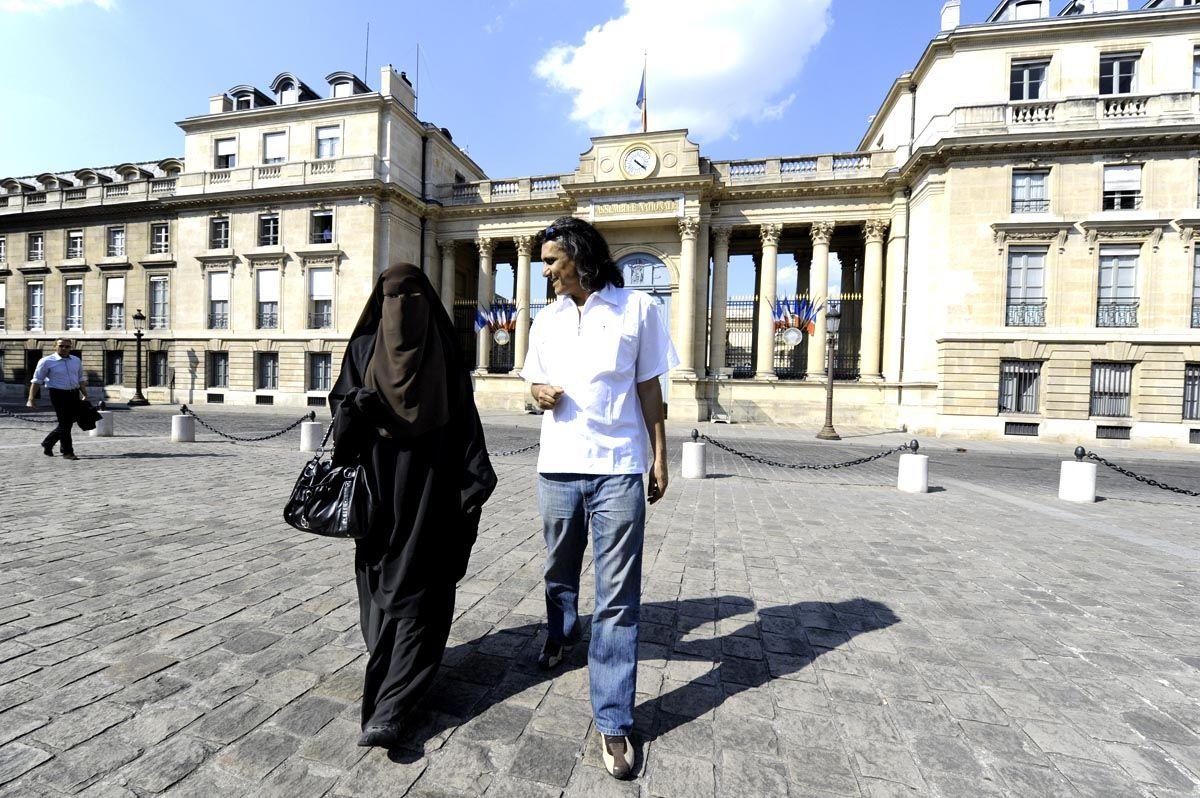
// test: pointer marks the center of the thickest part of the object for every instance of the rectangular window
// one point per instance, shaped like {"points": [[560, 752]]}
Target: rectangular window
{"points": [[1196, 69], [320, 371], [321, 227], [267, 371], [226, 150], [1026, 304], [1118, 73], [3, 249], [218, 370], [1123, 187], [1112, 387], [114, 367], [3, 310], [1191, 392], [114, 303], [1196, 291], [74, 305], [1019, 386], [1027, 80], [160, 238], [160, 303], [274, 147], [267, 283], [218, 300], [35, 305], [160, 371], [320, 297], [268, 230], [74, 244], [116, 242], [1029, 192], [35, 246], [1117, 300], [329, 141], [218, 232]]}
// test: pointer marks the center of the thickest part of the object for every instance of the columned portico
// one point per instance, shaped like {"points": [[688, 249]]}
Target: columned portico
{"points": [[768, 281], [689, 226], [483, 351], [446, 285], [875, 231], [720, 300], [524, 246], [818, 289]]}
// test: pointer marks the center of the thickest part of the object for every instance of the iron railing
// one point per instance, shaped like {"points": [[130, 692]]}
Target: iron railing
{"points": [[1196, 314], [1111, 389], [159, 321], [1191, 392], [1019, 381], [1030, 205], [1026, 314], [1122, 200], [320, 319], [267, 319], [218, 320], [1117, 312]]}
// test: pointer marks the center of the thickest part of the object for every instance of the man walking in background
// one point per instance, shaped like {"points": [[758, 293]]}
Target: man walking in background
{"points": [[62, 373]]}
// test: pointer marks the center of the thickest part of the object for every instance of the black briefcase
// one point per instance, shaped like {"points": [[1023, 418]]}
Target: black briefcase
{"points": [[88, 416]]}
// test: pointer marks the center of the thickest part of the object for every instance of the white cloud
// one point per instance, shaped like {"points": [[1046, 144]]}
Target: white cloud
{"points": [[38, 6], [712, 63]]}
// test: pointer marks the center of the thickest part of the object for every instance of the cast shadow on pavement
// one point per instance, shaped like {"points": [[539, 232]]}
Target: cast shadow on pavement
{"points": [[780, 642]]}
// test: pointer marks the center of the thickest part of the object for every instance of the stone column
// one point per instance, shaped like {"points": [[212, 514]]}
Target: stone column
{"points": [[483, 344], [431, 267], [685, 346], [894, 293], [521, 339], [446, 284], [768, 279], [875, 231], [700, 334], [818, 289], [720, 299]]}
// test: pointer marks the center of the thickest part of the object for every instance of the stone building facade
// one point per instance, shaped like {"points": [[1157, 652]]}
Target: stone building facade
{"points": [[1014, 234]]}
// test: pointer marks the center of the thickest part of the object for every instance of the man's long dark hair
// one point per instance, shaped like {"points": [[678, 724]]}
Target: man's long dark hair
{"points": [[587, 249]]}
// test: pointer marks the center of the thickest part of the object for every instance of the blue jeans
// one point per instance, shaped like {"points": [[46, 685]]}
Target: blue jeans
{"points": [[615, 507]]}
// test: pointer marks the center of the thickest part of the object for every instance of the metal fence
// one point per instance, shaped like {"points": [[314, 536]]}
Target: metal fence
{"points": [[501, 358], [1111, 388], [791, 362]]}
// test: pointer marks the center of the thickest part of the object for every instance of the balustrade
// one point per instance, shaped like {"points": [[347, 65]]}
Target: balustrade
{"points": [[506, 188], [1117, 312], [544, 184], [163, 186], [117, 190], [269, 172], [748, 169], [1122, 107], [1031, 113], [846, 163], [798, 166], [75, 194], [321, 168], [36, 199]]}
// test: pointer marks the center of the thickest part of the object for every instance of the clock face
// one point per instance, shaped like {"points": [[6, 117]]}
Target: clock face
{"points": [[638, 162]]}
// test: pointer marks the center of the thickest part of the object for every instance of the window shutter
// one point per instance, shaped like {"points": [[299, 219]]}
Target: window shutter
{"points": [[226, 146], [1123, 178], [218, 286], [114, 292], [274, 146], [3, 295], [268, 285], [320, 283]]}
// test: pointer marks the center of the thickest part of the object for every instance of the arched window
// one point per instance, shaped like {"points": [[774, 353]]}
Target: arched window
{"points": [[645, 272]]}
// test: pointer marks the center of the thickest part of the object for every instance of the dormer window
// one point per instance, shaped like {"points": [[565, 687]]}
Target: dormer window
{"points": [[1028, 9], [343, 89], [243, 103]]}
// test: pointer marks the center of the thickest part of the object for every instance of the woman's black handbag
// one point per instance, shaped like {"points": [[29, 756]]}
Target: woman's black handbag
{"points": [[331, 500]]}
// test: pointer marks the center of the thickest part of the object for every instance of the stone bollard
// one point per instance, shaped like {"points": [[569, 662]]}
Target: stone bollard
{"points": [[310, 435], [104, 426], [183, 429], [914, 472], [1077, 479], [695, 463]]}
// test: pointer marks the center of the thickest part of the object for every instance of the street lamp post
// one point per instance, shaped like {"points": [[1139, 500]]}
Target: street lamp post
{"points": [[139, 319], [833, 318]]}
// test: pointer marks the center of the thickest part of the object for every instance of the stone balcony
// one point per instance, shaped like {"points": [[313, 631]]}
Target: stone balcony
{"points": [[1074, 114], [292, 173], [87, 196], [507, 190], [853, 165]]}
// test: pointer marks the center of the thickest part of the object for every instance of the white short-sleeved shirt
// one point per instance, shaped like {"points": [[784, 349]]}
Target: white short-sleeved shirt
{"points": [[598, 354], [61, 373]]}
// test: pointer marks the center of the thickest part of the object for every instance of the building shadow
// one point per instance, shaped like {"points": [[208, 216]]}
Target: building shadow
{"points": [[780, 642]]}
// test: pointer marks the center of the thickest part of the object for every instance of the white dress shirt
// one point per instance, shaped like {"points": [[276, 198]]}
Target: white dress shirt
{"points": [[597, 354], [62, 373]]}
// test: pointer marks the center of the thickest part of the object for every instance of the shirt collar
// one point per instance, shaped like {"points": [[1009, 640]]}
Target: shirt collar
{"points": [[607, 294]]}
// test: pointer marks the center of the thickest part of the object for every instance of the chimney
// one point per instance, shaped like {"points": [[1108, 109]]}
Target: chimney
{"points": [[219, 104], [395, 84], [951, 14]]}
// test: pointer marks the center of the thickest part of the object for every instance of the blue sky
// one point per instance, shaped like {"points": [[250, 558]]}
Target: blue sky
{"points": [[522, 84]]}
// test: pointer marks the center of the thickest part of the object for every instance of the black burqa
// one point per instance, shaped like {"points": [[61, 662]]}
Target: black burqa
{"points": [[404, 408]]}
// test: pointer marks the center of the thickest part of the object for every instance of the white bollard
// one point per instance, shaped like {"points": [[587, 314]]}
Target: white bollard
{"points": [[914, 473], [104, 426], [1077, 480], [310, 435], [183, 429], [695, 461]]}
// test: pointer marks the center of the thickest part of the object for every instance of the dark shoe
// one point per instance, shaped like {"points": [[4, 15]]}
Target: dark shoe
{"points": [[552, 655], [381, 735], [47, 452], [70, 456], [617, 753]]}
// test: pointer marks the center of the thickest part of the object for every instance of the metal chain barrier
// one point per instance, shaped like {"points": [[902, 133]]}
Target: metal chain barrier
{"points": [[310, 416], [1081, 453], [911, 446], [514, 451], [24, 417]]}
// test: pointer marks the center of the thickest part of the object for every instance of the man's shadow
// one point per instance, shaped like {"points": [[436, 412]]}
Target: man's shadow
{"points": [[780, 641]]}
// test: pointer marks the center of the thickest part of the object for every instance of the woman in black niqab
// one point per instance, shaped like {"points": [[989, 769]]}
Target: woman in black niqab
{"points": [[403, 408]]}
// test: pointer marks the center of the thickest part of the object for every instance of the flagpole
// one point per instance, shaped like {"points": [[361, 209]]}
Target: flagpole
{"points": [[645, 94]]}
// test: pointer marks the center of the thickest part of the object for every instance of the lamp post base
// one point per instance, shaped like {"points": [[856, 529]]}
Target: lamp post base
{"points": [[138, 401], [828, 433]]}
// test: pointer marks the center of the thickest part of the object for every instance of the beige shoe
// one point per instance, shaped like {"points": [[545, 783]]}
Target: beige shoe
{"points": [[618, 756]]}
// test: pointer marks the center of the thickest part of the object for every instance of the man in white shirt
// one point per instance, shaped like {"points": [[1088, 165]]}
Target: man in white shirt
{"points": [[594, 360], [62, 373]]}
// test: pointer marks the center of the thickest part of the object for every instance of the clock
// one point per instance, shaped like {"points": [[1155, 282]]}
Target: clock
{"points": [[638, 162]]}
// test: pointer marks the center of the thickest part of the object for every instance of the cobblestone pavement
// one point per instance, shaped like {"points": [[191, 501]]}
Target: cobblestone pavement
{"points": [[804, 633]]}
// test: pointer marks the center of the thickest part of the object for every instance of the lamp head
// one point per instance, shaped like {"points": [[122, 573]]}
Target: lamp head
{"points": [[139, 319], [833, 319]]}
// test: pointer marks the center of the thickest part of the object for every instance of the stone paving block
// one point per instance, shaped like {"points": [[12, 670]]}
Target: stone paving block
{"points": [[258, 753], [75, 769], [888, 763], [744, 775], [545, 758], [156, 722], [308, 714], [167, 763], [674, 775], [283, 686], [589, 781], [17, 723], [210, 781], [17, 758], [335, 745], [1149, 765], [232, 720], [464, 767]]}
